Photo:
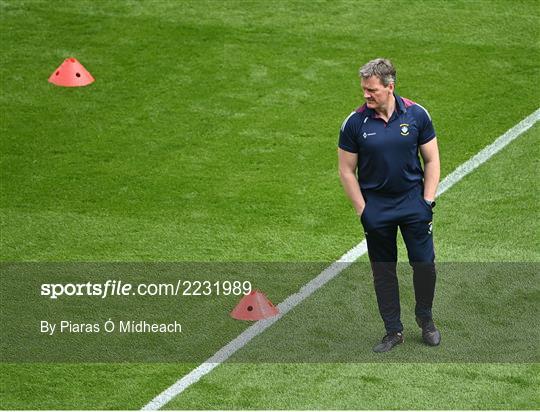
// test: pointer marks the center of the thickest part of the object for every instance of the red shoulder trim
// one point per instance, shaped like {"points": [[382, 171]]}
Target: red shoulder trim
{"points": [[361, 108], [407, 102]]}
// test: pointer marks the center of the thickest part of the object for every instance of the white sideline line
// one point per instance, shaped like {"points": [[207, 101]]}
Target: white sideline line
{"points": [[483, 155], [329, 273]]}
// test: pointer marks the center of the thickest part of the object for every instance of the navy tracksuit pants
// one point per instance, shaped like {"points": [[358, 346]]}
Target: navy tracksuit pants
{"points": [[381, 218]]}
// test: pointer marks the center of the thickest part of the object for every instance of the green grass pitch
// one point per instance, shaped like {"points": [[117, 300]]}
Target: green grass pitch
{"points": [[210, 135]]}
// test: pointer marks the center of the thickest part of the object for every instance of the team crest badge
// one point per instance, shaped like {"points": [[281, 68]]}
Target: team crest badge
{"points": [[404, 129]]}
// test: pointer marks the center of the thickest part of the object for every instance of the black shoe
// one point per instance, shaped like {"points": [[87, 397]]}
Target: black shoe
{"points": [[430, 334], [389, 341]]}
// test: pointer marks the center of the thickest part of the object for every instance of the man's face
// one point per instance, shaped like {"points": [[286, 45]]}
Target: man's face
{"points": [[376, 94]]}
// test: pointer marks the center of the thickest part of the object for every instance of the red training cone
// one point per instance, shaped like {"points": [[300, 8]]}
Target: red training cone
{"points": [[254, 306], [71, 73]]}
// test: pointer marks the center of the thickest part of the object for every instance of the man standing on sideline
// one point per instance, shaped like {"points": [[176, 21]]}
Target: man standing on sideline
{"points": [[381, 173]]}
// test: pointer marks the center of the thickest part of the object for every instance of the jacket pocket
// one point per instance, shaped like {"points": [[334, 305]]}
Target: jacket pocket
{"points": [[363, 215], [426, 205]]}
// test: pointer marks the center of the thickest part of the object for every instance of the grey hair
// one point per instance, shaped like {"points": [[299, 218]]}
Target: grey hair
{"points": [[381, 68]]}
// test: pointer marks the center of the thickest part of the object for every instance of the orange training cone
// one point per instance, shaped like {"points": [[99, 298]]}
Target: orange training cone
{"points": [[254, 306], [71, 73]]}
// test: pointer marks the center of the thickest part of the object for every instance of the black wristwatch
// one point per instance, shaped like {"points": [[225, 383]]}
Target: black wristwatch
{"points": [[430, 203]]}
